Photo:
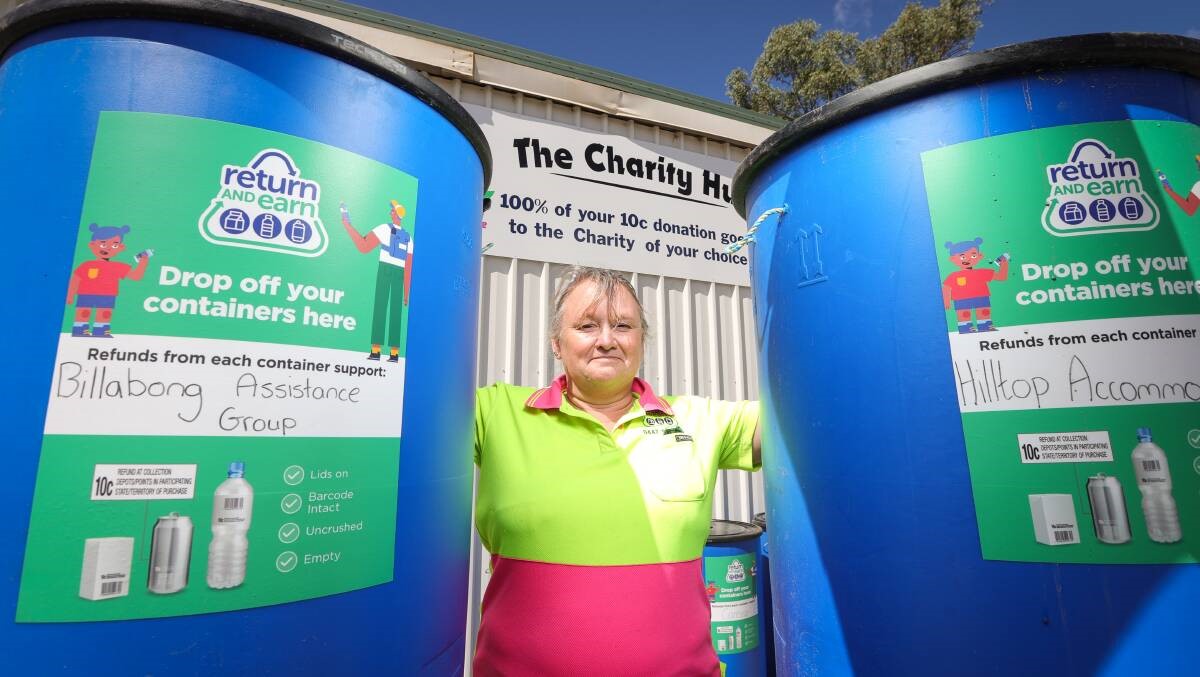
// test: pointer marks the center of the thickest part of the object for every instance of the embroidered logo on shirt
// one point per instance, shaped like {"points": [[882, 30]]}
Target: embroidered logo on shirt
{"points": [[662, 425]]}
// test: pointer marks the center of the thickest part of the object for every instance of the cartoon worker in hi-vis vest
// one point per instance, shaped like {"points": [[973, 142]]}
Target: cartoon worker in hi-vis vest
{"points": [[391, 281]]}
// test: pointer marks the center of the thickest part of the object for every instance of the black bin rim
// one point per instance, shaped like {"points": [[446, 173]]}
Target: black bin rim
{"points": [[1076, 52], [37, 15], [731, 531]]}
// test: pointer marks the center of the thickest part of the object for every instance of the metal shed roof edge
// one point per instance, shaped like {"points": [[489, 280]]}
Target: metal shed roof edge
{"points": [[535, 59]]}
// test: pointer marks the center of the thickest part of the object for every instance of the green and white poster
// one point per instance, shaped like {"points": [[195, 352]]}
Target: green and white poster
{"points": [[730, 582], [1068, 270], [224, 416]]}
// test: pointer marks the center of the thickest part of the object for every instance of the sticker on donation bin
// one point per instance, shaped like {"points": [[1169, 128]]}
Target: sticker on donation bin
{"points": [[221, 428], [730, 584], [1072, 314]]}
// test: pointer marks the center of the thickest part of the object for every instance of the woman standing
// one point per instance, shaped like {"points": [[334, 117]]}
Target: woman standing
{"points": [[595, 497]]}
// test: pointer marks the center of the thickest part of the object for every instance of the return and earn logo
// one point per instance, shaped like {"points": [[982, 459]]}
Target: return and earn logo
{"points": [[1095, 192], [266, 205]]}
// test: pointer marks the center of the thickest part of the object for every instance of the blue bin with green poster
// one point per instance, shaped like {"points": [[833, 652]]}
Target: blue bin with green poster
{"points": [[243, 345], [978, 321], [732, 571]]}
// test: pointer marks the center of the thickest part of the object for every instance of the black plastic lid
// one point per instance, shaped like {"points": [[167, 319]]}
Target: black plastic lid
{"points": [[41, 14], [728, 531], [760, 520], [1138, 50]]}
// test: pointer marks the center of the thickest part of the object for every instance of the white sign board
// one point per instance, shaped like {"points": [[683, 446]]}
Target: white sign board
{"points": [[569, 195]]}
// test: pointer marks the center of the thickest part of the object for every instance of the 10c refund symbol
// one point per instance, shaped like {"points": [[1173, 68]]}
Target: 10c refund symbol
{"points": [[1030, 452]]}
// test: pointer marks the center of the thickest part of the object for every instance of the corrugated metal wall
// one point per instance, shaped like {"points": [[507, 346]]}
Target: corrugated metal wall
{"points": [[701, 339]]}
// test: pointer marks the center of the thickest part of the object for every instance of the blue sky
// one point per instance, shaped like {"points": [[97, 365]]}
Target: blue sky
{"points": [[693, 45]]}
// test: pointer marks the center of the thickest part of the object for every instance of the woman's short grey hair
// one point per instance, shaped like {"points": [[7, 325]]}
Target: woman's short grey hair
{"points": [[607, 283]]}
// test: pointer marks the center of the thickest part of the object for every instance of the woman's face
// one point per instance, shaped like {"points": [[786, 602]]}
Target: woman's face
{"points": [[600, 343]]}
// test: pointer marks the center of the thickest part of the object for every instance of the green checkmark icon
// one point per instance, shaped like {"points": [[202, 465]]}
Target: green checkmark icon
{"points": [[290, 504], [1193, 438], [289, 532], [293, 475], [286, 561]]}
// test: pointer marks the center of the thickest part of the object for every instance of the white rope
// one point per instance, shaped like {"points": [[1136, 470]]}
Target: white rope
{"points": [[746, 239]]}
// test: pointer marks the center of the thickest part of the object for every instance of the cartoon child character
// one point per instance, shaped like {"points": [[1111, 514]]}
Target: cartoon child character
{"points": [[968, 287], [391, 281], [1191, 203], [94, 284]]}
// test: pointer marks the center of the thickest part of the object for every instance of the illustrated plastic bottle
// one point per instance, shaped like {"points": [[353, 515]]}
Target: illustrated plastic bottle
{"points": [[1154, 481], [233, 503]]}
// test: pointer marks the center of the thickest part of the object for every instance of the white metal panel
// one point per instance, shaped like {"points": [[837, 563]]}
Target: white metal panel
{"points": [[432, 56], [598, 97]]}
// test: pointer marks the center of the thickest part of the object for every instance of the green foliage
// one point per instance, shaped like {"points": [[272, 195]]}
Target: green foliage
{"points": [[802, 68]]}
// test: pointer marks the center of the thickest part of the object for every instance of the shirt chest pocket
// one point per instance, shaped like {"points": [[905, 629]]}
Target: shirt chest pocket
{"points": [[673, 474]]}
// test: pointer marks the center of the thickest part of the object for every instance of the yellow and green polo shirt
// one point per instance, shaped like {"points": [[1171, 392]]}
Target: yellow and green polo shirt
{"points": [[596, 537]]}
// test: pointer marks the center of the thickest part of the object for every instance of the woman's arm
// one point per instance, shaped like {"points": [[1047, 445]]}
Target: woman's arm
{"points": [[757, 443]]}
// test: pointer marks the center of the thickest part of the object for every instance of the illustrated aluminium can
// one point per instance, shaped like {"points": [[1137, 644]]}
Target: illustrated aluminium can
{"points": [[170, 553], [1109, 516]]}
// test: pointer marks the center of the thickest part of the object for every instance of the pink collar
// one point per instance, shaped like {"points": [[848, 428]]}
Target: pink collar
{"points": [[551, 396]]}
